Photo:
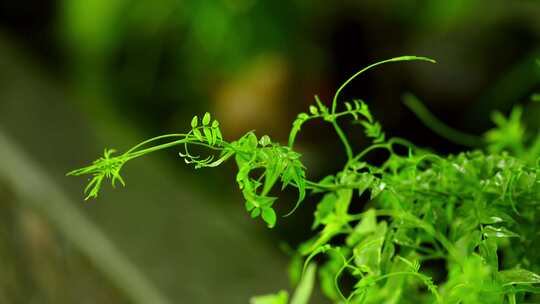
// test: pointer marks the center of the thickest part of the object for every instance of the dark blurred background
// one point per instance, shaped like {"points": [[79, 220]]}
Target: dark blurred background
{"points": [[78, 76]]}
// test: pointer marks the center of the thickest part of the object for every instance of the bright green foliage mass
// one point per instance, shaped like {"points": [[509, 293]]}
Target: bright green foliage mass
{"points": [[436, 229]]}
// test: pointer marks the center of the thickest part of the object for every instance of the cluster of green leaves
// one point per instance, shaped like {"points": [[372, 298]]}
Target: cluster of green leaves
{"points": [[435, 229]]}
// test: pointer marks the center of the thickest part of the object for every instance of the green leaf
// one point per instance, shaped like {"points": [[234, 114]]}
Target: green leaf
{"points": [[377, 187], [198, 134], [282, 297], [249, 205], [208, 135], [194, 122], [518, 276], [366, 226], [251, 141], [206, 119], [296, 127], [295, 269], [269, 216], [498, 232], [218, 134], [324, 209], [265, 140], [363, 109], [255, 212], [328, 273], [295, 172], [322, 108], [367, 253], [488, 250], [214, 136], [305, 288], [313, 110]]}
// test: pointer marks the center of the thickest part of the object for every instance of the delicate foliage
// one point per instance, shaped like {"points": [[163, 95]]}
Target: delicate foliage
{"points": [[476, 212], [106, 167]]}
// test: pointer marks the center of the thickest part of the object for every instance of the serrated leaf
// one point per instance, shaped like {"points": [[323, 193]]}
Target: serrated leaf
{"points": [[296, 173], [363, 109]]}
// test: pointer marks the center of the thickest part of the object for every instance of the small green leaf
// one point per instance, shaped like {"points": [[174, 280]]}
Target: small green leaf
{"points": [[368, 252], [322, 108], [215, 124], [328, 273], [269, 216], [305, 288], [208, 135], [498, 232], [194, 122], [303, 116], [218, 134], [249, 205], [294, 269], [295, 172], [518, 276], [282, 297], [214, 136], [206, 119], [265, 140], [198, 134], [363, 109], [324, 210], [255, 212], [366, 226], [377, 187], [313, 110], [251, 141]]}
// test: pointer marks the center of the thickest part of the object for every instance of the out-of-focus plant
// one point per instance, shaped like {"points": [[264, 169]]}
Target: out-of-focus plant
{"points": [[434, 229]]}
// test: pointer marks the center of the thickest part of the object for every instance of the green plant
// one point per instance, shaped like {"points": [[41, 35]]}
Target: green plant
{"points": [[474, 213]]}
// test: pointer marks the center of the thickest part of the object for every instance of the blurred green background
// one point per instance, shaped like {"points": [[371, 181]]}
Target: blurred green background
{"points": [[78, 76]]}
